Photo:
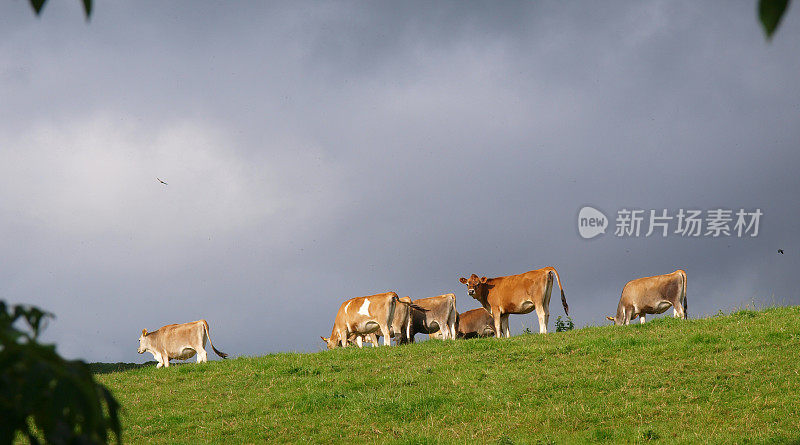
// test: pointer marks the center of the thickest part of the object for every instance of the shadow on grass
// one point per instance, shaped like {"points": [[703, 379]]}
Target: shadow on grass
{"points": [[106, 368]]}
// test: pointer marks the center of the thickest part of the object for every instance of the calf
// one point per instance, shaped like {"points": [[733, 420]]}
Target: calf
{"points": [[178, 341], [652, 295]]}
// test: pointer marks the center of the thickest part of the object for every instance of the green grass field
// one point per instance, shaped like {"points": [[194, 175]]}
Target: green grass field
{"points": [[724, 379]]}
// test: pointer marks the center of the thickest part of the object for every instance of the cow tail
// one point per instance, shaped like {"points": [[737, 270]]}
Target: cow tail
{"points": [[684, 300], [563, 297], [208, 334], [412, 305]]}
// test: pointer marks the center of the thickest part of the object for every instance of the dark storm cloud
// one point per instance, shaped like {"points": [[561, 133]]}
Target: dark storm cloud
{"points": [[319, 151]]}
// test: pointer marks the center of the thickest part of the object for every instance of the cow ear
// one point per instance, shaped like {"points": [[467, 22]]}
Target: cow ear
{"points": [[483, 279], [610, 318], [463, 280], [144, 331], [324, 339]]}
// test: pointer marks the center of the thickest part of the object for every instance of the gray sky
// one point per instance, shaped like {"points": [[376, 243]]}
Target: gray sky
{"points": [[317, 151]]}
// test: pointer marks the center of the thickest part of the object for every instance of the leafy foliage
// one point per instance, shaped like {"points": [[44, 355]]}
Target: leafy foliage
{"points": [[564, 325], [770, 13], [43, 395], [38, 5]]}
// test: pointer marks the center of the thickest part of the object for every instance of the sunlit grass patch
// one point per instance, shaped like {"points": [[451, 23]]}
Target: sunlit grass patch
{"points": [[726, 379]]}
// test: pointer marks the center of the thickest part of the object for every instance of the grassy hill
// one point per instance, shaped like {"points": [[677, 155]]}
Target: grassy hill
{"points": [[724, 379]]}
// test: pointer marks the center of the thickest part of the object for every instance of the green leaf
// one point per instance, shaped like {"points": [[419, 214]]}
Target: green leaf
{"points": [[37, 5], [87, 8], [770, 13], [41, 392]]}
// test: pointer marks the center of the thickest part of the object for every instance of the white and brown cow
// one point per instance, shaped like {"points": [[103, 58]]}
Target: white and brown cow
{"points": [[516, 294], [439, 316], [652, 295], [179, 342], [361, 316], [400, 330]]}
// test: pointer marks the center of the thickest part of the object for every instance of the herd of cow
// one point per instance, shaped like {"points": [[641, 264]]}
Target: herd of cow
{"points": [[365, 319]]}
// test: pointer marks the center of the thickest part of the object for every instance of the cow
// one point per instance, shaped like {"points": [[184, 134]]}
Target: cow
{"points": [[652, 295], [474, 323], [439, 316], [360, 316], [400, 330], [179, 342], [516, 294]]}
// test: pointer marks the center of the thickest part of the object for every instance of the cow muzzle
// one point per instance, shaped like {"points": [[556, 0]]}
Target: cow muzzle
{"points": [[471, 292]]}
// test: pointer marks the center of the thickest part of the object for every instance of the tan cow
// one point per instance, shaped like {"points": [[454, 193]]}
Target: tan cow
{"points": [[516, 294], [179, 342], [652, 295], [474, 323], [400, 330], [439, 316], [361, 316]]}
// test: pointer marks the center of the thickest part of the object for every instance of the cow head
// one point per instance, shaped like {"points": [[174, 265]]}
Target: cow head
{"points": [[615, 320], [142, 345], [330, 342], [472, 283]]}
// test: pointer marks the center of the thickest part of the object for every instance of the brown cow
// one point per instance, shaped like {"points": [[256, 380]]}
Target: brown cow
{"points": [[474, 323], [652, 295], [360, 316], [178, 341], [400, 329], [516, 294], [439, 316]]}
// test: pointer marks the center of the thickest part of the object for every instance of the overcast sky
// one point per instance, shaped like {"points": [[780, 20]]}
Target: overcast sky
{"points": [[318, 151]]}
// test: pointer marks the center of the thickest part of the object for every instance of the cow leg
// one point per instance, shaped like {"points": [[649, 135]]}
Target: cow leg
{"points": [[541, 312], [504, 324], [202, 355], [677, 308], [359, 341], [629, 314], [373, 339], [387, 340], [496, 315]]}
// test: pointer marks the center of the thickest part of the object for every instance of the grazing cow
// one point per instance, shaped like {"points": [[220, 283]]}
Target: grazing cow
{"points": [[516, 294], [400, 330], [439, 315], [360, 316], [652, 295], [474, 323], [178, 341]]}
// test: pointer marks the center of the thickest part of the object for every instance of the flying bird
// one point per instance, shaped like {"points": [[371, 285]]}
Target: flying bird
{"points": [[780, 251], [159, 180]]}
